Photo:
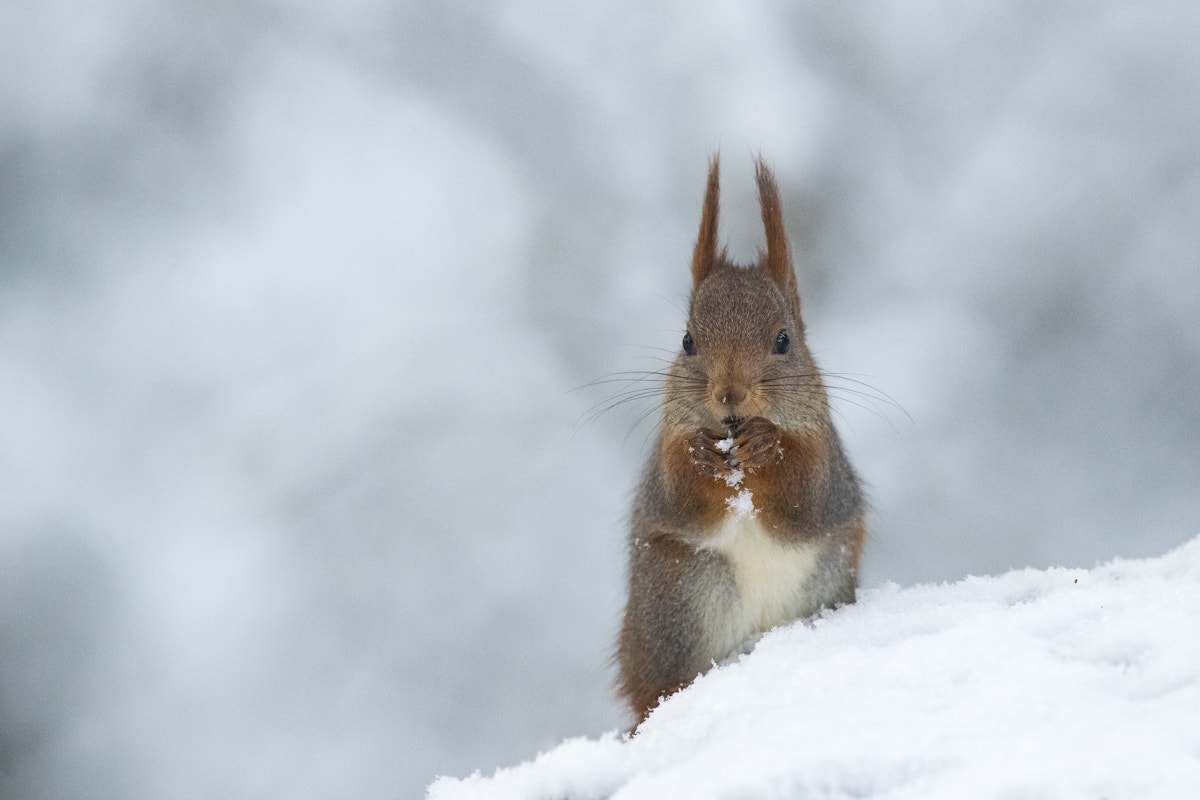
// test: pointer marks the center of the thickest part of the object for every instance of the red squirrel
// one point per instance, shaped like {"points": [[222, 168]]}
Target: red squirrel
{"points": [[749, 514]]}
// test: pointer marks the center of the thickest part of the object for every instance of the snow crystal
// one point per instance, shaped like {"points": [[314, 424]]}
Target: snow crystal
{"points": [[734, 478], [725, 445], [1054, 683], [742, 505]]}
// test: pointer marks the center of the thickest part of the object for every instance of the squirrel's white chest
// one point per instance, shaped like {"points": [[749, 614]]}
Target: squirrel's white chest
{"points": [[774, 582]]}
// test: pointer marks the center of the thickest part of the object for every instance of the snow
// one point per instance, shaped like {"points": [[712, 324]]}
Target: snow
{"points": [[1063, 683], [742, 504]]}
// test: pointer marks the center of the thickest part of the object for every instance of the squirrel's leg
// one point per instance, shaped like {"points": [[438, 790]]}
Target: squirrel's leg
{"points": [[661, 647]]}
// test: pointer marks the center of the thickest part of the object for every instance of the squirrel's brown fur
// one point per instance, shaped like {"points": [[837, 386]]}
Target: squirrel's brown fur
{"points": [[749, 514]]}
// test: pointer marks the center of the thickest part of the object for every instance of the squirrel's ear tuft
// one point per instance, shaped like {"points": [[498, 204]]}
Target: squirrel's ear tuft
{"points": [[778, 256], [705, 256]]}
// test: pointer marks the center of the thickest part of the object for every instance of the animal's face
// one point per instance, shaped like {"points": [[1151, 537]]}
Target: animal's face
{"points": [[743, 354]]}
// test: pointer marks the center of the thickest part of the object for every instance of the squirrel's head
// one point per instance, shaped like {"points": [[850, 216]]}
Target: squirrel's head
{"points": [[744, 353]]}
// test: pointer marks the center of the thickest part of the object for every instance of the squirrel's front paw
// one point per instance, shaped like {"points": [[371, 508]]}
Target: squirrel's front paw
{"points": [[756, 441], [709, 449]]}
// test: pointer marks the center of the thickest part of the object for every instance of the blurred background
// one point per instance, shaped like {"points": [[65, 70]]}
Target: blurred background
{"points": [[299, 492]]}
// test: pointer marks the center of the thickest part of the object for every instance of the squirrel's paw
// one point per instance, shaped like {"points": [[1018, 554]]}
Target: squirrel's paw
{"points": [[756, 441], [709, 450]]}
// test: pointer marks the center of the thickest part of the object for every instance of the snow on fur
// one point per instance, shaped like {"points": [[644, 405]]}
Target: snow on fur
{"points": [[1061, 683]]}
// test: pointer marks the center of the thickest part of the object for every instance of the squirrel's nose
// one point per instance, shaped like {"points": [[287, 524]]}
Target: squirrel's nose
{"points": [[729, 395]]}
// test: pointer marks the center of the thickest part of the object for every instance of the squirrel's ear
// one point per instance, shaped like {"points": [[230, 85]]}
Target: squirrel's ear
{"points": [[778, 256], [705, 256]]}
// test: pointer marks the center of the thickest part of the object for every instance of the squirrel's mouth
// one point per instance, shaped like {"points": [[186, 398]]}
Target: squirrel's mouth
{"points": [[732, 421]]}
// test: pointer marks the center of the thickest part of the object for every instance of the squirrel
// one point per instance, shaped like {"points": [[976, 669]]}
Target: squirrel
{"points": [[749, 514]]}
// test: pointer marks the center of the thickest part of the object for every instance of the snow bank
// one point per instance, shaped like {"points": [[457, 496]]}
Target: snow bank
{"points": [[1058, 683]]}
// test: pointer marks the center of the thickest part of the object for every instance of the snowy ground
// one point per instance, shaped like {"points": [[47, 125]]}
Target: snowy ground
{"points": [[297, 496], [1058, 683]]}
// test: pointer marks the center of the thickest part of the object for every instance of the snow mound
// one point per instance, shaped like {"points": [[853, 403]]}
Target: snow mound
{"points": [[1062, 683]]}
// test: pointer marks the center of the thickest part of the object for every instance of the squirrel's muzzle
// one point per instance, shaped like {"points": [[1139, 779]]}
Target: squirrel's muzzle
{"points": [[728, 398]]}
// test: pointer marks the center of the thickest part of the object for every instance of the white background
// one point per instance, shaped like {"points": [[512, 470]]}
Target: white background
{"points": [[296, 496]]}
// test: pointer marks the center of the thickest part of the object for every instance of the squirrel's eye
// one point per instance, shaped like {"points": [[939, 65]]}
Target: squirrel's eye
{"points": [[689, 346], [781, 343]]}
